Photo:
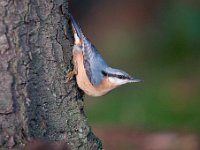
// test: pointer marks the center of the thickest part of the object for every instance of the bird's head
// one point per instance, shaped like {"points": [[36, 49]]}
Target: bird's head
{"points": [[118, 77]]}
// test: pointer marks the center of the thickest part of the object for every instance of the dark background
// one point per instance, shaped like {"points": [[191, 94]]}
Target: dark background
{"points": [[159, 42]]}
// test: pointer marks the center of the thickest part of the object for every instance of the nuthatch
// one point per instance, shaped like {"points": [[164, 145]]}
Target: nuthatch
{"points": [[93, 75]]}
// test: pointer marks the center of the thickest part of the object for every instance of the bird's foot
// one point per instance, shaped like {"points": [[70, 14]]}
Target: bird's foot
{"points": [[70, 75]]}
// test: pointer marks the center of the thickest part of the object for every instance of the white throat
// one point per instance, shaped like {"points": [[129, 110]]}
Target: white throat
{"points": [[117, 81]]}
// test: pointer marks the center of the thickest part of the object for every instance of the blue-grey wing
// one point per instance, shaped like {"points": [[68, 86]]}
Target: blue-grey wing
{"points": [[94, 63]]}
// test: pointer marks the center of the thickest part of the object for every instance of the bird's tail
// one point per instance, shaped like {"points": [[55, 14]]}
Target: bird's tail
{"points": [[78, 34]]}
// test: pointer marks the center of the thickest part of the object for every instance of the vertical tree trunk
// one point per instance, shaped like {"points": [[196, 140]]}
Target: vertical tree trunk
{"points": [[35, 56]]}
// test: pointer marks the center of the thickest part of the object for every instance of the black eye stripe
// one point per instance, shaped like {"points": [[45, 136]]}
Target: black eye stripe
{"points": [[104, 73], [115, 75]]}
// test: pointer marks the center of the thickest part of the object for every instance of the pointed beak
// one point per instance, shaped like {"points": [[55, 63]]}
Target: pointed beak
{"points": [[133, 80]]}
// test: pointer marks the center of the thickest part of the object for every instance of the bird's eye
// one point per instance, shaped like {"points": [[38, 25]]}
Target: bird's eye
{"points": [[104, 73], [120, 76]]}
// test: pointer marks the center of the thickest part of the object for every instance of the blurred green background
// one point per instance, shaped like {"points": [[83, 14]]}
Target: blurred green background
{"points": [[157, 41]]}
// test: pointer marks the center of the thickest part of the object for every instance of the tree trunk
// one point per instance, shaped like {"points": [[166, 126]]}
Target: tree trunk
{"points": [[35, 56]]}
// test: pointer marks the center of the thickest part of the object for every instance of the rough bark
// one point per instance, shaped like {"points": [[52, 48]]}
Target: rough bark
{"points": [[35, 56]]}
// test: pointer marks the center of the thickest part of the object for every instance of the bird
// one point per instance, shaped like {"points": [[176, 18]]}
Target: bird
{"points": [[93, 75]]}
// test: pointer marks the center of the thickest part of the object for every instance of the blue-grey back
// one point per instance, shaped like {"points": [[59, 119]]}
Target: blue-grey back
{"points": [[93, 62]]}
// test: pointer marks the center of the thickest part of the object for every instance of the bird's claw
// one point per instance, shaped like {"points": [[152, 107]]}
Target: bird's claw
{"points": [[70, 75]]}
